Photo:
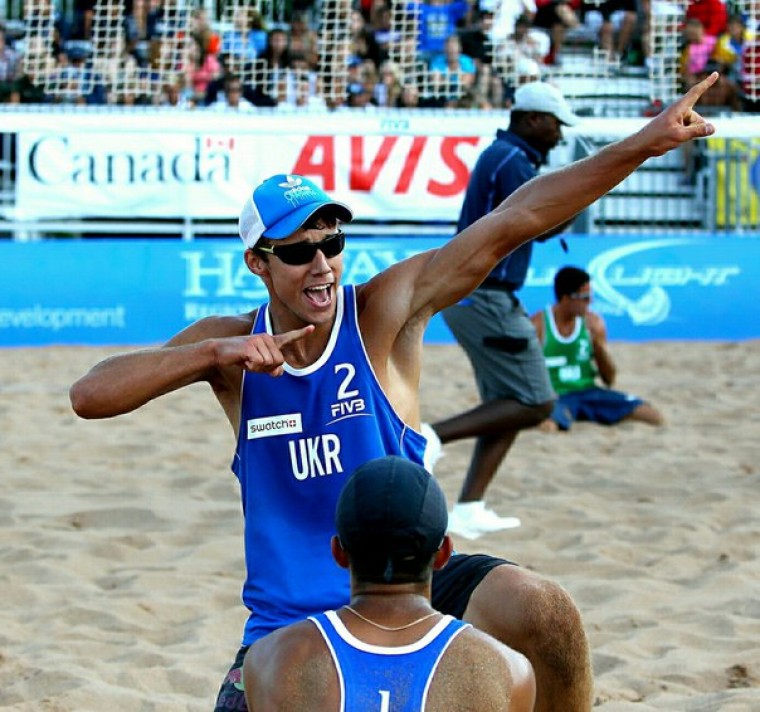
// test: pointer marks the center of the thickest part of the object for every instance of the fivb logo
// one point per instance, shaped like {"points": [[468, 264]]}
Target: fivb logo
{"points": [[297, 193], [285, 424]]}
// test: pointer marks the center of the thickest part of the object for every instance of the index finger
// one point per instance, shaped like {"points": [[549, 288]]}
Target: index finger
{"points": [[294, 335], [694, 94]]}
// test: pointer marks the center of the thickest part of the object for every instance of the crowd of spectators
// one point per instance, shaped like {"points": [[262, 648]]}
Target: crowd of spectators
{"points": [[466, 53]]}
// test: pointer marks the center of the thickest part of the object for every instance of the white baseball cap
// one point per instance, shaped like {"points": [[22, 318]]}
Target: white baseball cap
{"points": [[546, 98]]}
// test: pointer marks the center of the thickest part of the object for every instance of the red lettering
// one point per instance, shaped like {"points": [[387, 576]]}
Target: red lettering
{"points": [[361, 179], [317, 158], [461, 173], [411, 162]]}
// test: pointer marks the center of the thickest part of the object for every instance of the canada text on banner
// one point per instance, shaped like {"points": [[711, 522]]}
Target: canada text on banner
{"points": [[124, 291], [207, 175]]}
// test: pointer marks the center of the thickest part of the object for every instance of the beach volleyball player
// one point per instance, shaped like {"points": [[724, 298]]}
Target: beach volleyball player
{"points": [[348, 361]]}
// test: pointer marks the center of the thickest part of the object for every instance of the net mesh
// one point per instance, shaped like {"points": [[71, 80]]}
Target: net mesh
{"points": [[134, 50]]}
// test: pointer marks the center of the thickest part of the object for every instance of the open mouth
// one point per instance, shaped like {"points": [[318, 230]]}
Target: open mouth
{"points": [[320, 296]]}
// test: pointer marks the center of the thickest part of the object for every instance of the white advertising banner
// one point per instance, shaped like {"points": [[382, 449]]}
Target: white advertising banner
{"points": [[207, 173]]}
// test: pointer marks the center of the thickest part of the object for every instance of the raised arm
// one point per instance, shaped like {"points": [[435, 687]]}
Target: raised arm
{"points": [[550, 200]]}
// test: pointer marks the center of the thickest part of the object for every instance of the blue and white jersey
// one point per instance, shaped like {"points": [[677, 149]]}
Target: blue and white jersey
{"points": [[374, 678], [301, 435]]}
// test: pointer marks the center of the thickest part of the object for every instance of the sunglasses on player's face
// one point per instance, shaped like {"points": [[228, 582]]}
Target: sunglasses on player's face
{"points": [[302, 253]]}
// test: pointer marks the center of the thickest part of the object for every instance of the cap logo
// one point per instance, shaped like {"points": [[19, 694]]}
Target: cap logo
{"points": [[297, 193]]}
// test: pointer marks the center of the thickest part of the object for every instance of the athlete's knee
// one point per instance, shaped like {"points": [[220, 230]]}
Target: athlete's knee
{"points": [[540, 412], [536, 616]]}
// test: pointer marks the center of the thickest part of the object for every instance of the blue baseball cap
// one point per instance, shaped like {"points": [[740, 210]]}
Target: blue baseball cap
{"points": [[280, 205]]}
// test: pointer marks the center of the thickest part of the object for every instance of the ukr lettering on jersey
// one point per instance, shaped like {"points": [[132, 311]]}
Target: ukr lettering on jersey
{"points": [[315, 457]]}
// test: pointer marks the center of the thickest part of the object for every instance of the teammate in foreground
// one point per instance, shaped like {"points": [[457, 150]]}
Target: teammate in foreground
{"points": [[389, 646]]}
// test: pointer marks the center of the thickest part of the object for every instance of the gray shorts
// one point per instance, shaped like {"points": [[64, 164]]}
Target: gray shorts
{"points": [[501, 343]]}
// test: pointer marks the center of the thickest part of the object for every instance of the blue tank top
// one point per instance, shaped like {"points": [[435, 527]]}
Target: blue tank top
{"points": [[301, 435], [373, 678]]}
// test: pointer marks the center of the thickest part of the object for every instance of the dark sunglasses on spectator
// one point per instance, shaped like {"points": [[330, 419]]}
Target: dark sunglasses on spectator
{"points": [[584, 296], [302, 253]]}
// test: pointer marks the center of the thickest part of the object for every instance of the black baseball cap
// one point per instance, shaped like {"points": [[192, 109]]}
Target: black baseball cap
{"points": [[391, 509]]}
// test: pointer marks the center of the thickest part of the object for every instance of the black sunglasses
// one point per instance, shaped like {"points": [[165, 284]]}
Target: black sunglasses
{"points": [[583, 296], [302, 253]]}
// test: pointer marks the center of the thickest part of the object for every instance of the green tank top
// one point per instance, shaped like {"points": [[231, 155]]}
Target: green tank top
{"points": [[569, 359]]}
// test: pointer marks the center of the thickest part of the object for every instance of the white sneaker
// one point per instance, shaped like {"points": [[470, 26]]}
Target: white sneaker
{"points": [[433, 449], [472, 519]]}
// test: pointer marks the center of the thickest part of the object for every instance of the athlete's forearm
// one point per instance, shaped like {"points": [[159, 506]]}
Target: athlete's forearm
{"points": [[123, 383], [604, 363]]}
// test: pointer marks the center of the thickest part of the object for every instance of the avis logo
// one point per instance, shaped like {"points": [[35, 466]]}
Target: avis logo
{"points": [[609, 271]]}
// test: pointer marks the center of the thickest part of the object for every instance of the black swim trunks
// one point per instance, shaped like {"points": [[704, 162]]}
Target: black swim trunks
{"points": [[454, 583]]}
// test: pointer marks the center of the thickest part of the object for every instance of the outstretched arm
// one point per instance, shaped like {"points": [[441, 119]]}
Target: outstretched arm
{"points": [[453, 271]]}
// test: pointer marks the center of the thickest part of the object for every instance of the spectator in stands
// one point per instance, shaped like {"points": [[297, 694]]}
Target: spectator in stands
{"points": [[698, 47], [453, 71], [204, 65], [410, 96], [203, 34], [239, 43], [388, 89], [136, 21], [173, 95], [363, 42], [276, 53], [506, 14], [303, 39], [385, 35], [477, 37], [232, 98], [259, 33], [728, 50], [615, 44], [712, 14], [556, 16], [411, 99], [300, 86], [529, 42], [155, 26], [76, 81], [83, 16], [10, 71], [574, 342], [437, 21]]}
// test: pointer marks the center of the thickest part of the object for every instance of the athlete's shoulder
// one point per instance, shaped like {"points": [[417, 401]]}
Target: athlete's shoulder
{"points": [[287, 669], [486, 673]]}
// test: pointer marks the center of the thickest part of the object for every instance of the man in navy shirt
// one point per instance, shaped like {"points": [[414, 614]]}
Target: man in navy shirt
{"points": [[490, 324]]}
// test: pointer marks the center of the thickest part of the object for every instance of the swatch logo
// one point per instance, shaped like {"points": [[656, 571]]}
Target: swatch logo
{"points": [[286, 424]]}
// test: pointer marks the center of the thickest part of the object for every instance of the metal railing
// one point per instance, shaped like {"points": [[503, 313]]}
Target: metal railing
{"points": [[711, 187]]}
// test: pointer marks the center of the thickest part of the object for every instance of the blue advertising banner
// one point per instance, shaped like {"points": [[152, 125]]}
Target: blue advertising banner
{"points": [[139, 292]]}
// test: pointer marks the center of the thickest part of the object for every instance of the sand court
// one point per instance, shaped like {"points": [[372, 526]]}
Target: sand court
{"points": [[121, 541]]}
